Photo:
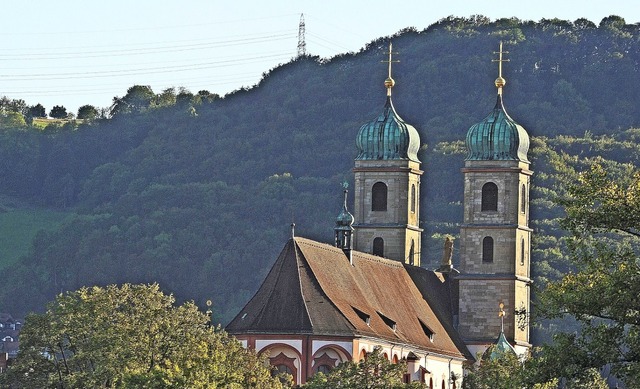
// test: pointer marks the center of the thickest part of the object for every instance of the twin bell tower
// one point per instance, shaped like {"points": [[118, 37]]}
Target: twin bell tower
{"points": [[495, 237]]}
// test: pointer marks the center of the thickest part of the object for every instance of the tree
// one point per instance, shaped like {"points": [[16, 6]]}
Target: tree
{"points": [[87, 112], [504, 372], [12, 120], [58, 112], [37, 111], [508, 371], [372, 372], [12, 105], [601, 293], [130, 336], [138, 99]]}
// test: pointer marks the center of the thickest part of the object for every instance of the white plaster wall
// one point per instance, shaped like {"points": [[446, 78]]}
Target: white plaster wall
{"points": [[318, 344], [296, 344]]}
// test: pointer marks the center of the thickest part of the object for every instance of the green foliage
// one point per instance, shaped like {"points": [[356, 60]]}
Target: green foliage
{"points": [[58, 112], [536, 372], [504, 372], [130, 336], [19, 227], [12, 105], [601, 292], [137, 99], [12, 120], [373, 372], [37, 111], [197, 191], [87, 112]]}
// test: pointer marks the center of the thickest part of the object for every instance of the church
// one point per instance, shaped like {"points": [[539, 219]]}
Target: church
{"points": [[322, 304]]}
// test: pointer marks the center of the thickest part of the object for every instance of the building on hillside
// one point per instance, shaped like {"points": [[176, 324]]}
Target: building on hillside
{"points": [[9, 339], [323, 304]]}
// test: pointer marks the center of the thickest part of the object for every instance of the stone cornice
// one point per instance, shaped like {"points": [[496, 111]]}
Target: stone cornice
{"points": [[497, 170], [496, 226], [387, 225], [493, 276], [389, 169]]}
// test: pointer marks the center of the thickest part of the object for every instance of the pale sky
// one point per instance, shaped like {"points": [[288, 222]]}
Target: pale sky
{"points": [[77, 52]]}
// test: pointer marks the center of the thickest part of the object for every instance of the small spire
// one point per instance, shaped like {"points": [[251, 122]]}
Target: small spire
{"points": [[500, 82], [293, 230], [344, 226], [390, 82], [501, 314]]}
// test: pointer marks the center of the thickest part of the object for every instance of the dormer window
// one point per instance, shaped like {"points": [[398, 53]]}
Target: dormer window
{"points": [[365, 318], [388, 321], [427, 330]]}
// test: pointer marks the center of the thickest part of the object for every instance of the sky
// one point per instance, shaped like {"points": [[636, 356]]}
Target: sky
{"points": [[74, 52]]}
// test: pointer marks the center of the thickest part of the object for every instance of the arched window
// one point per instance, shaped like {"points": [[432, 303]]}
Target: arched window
{"points": [[413, 198], [325, 369], [522, 251], [431, 383], [412, 253], [489, 197], [282, 369], [443, 385], [487, 249], [378, 247], [523, 199], [379, 197], [283, 364]]}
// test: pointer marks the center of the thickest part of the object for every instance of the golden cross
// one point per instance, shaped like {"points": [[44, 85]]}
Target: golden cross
{"points": [[390, 60], [389, 83], [500, 60]]}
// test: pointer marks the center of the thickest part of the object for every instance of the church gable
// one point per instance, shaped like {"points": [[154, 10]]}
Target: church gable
{"points": [[289, 302]]}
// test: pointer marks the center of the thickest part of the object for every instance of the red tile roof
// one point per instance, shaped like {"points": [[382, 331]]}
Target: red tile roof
{"points": [[313, 289]]}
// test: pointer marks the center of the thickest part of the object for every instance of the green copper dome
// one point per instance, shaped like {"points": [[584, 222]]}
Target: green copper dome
{"points": [[501, 347], [388, 137], [497, 138], [344, 219]]}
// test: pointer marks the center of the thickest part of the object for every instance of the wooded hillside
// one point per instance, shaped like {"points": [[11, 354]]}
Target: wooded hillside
{"points": [[197, 192]]}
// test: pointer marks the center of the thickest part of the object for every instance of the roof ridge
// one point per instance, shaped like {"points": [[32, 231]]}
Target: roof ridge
{"points": [[361, 254]]}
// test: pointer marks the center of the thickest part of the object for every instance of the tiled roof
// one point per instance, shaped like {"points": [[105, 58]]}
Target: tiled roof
{"points": [[312, 288]]}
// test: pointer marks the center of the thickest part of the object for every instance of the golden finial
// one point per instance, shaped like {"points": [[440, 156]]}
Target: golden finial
{"points": [[500, 82], [501, 314], [389, 82]]}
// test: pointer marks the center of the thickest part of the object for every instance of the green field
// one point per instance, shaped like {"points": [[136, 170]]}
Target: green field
{"points": [[19, 226]]}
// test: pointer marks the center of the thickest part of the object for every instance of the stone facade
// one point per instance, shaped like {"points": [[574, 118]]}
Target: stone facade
{"points": [[504, 276], [398, 225]]}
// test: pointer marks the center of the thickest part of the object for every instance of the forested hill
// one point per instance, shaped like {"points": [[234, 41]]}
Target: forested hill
{"points": [[197, 192]]}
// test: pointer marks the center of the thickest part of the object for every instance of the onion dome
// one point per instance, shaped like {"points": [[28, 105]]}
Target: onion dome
{"points": [[344, 228], [501, 348], [388, 137], [344, 219], [497, 138]]}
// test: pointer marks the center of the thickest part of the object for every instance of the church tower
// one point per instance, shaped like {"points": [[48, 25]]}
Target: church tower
{"points": [[495, 237], [387, 185]]}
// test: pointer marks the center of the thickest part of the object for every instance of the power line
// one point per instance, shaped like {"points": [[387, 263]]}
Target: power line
{"points": [[121, 73], [144, 51]]}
